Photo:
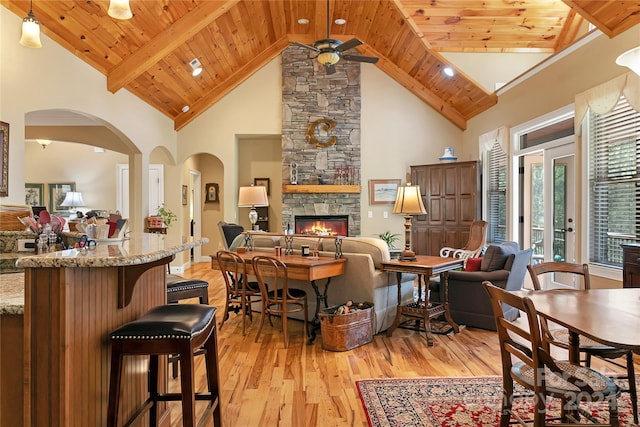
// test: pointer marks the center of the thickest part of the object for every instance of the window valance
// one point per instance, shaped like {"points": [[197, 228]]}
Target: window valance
{"points": [[601, 99]]}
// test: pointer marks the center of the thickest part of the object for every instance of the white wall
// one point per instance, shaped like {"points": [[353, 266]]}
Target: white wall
{"points": [[53, 78]]}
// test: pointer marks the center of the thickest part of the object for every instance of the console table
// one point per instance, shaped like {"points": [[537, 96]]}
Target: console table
{"points": [[425, 266]]}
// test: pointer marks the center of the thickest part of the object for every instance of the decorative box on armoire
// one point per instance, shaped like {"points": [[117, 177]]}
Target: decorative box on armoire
{"points": [[631, 266], [451, 195]]}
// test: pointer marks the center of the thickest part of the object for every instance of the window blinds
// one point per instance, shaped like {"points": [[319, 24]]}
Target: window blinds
{"points": [[497, 195], [614, 183]]}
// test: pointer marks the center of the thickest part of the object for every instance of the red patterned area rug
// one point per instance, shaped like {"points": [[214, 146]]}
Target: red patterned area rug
{"points": [[450, 402]]}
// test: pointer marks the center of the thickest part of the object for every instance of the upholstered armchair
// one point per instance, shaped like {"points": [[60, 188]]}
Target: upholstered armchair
{"points": [[504, 265]]}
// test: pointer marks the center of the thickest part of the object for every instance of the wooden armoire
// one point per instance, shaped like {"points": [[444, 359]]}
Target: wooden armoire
{"points": [[452, 198]]}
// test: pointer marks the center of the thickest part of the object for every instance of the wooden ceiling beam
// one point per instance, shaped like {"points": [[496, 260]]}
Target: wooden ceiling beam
{"points": [[231, 82], [166, 42]]}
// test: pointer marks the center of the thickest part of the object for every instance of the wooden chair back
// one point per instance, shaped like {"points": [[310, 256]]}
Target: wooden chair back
{"points": [[541, 268]]}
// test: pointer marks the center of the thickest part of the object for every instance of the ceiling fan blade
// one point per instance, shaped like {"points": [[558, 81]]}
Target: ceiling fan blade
{"points": [[349, 44], [306, 46], [330, 68], [358, 58]]}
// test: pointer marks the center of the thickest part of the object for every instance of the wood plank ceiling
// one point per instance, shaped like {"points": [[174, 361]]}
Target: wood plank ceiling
{"points": [[149, 54]]}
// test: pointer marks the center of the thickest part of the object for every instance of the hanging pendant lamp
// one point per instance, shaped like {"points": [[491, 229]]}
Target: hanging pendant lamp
{"points": [[30, 30], [119, 9]]}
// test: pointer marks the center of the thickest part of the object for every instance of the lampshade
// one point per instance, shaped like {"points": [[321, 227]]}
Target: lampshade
{"points": [[252, 196], [119, 9], [409, 201], [631, 60], [328, 58], [73, 199], [30, 30]]}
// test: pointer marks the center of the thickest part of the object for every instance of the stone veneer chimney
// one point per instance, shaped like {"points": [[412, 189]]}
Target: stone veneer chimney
{"points": [[309, 94]]}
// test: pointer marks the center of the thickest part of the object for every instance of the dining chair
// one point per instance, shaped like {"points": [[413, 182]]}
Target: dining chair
{"points": [[281, 299], [527, 361], [241, 293], [559, 336]]}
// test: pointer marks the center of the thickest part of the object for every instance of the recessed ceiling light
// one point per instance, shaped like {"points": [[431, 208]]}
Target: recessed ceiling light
{"points": [[340, 21], [185, 108], [448, 71], [303, 21]]}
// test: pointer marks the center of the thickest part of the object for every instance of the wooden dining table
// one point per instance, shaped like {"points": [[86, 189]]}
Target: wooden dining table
{"points": [[305, 268], [609, 316]]}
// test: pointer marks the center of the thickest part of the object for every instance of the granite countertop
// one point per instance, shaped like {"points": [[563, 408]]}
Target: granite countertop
{"points": [[12, 293], [140, 248]]}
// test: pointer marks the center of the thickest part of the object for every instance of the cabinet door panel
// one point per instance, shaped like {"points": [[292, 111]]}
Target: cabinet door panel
{"points": [[468, 208], [450, 181], [450, 211], [435, 211]]}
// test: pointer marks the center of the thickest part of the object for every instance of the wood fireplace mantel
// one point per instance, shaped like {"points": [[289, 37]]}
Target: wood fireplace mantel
{"points": [[321, 188]]}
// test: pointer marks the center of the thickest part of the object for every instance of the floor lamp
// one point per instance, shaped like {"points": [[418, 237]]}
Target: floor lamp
{"points": [[252, 197], [408, 202]]}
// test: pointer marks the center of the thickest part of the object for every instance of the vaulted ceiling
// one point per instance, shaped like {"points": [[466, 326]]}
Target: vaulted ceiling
{"points": [[150, 53]]}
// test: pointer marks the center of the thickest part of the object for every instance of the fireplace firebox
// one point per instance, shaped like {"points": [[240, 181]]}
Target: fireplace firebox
{"points": [[322, 225]]}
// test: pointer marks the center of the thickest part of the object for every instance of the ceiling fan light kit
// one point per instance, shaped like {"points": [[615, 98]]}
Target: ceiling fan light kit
{"points": [[330, 51], [30, 30]]}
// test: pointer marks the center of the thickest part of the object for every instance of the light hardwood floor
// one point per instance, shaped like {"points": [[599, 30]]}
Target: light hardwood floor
{"points": [[264, 384]]}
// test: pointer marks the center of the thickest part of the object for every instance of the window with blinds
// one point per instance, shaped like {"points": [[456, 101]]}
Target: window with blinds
{"points": [[497, 195], [614, 183]]}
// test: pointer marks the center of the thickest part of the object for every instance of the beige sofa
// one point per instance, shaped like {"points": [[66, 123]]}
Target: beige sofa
{"points": [[363, 280]]}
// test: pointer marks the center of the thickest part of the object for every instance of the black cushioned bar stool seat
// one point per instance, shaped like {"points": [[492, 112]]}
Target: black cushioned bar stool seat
{"points": [[164, 330], [179, 288]]}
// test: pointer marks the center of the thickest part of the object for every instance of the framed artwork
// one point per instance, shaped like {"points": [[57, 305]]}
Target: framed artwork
{"points": [[263, 182], [383, 191], [57, 192], [34, 194], [185, 195], [211, 193], [4, 159]]}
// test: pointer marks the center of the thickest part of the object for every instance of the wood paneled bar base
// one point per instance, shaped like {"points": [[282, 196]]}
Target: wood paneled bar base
{"points": [[73, 299]]}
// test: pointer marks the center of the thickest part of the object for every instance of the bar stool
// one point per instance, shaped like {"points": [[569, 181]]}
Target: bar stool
{"points": [[179, 288], [168, 329]]}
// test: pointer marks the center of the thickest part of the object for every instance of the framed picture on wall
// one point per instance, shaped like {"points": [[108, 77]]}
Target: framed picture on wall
{"points": [[4, 159], [34, 194], [185, 195], [383, 191], [57, 193], [263, 182], [211, 193]]}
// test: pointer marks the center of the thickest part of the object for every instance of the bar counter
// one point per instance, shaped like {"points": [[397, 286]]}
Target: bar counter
{"points": [[54, 354]]}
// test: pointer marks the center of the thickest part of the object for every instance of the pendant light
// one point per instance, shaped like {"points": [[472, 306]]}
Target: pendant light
{"points": [[30, 30], [119, 9]]}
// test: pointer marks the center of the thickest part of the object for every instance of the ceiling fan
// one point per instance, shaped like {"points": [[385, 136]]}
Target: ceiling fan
{"points": [[330, 51]]}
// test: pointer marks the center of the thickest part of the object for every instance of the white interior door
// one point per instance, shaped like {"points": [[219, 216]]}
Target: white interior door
{"points": [[156, 188]]}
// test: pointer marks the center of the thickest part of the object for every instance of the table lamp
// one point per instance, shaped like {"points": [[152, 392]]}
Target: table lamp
{"points": [[252, 197], [408, 202]]}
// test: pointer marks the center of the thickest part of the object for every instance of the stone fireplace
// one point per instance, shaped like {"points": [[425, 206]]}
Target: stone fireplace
{"points": [[322, 225], [328, 177]]}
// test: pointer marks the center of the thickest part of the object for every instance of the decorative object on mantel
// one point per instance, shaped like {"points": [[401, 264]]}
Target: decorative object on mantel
{"points": [[293, 173], [323, 126], [348, 175], [252, 197], [408, 202], [448, 155]]}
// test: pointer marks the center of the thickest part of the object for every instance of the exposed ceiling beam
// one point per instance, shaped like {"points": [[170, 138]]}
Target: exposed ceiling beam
{"points": [[166, 42]]}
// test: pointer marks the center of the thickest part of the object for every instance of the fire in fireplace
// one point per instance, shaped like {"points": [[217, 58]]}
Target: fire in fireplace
{"points": [[322, 225]]}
